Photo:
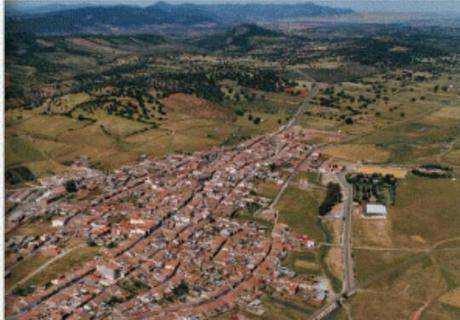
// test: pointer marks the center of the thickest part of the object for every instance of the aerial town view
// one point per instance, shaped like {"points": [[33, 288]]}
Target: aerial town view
{"points": [[232, 160]]}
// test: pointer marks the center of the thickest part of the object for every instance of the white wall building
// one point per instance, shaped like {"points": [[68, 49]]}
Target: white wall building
{"points": [[376, 210]]}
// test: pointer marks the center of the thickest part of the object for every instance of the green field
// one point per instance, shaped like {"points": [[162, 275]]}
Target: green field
{"points": [[71, 261], [299, 210], [113, 141], [23, 268]]}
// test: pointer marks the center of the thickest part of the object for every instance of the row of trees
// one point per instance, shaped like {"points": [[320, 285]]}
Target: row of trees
{"points": [[434, 171]]}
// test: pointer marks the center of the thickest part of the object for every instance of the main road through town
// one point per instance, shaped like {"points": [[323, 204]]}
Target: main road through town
{"points": [[347, 206], [306, 102]]}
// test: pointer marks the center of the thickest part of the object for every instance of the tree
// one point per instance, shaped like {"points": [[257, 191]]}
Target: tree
{"points": [[70, 186], [333, 196]]}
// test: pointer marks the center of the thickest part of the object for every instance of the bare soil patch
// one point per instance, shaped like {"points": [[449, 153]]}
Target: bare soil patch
{"points": [[397, 172], [194, 106]]}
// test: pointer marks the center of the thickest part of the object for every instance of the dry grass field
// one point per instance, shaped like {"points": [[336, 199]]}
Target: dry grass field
{"points": [[451, 298], [267, 189], [376, 305], [358, 152], [191, 125], [196, 107], [395, 171], [33, 229], [417, 263], [44, 148], [23, 268], [423, 208], [73, 260]]}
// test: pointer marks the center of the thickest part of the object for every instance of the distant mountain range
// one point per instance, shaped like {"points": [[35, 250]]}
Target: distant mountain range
{"points": [[18, 9], [253, 11], [60, 19]]}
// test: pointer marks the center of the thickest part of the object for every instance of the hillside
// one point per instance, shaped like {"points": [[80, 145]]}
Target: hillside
{"points": [[242, 38]]}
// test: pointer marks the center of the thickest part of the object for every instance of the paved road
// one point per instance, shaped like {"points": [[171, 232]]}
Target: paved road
{"points": [[347, 206], [304, 105], [288, 181], [290, 123], [348, 287]]}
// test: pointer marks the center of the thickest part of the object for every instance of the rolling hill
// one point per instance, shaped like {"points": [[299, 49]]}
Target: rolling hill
{"points": [[241, 38]]}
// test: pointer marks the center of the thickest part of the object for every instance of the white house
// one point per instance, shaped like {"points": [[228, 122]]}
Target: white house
{"points": [[58, 222], [110, 270]]}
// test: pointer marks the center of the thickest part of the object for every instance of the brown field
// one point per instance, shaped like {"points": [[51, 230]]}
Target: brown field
{"points": [[303, 92], [453, 157], [375, 305], [93, 46], [303, 264], [333, 261], [319, 136], [371, 232], [33, 229], [452, 298], [405, 276], [73, 260], [441, 311], [426, 209], [194, 106], [448, 112], [267, 189], [397, 172], [23, 268], [357, 152]]}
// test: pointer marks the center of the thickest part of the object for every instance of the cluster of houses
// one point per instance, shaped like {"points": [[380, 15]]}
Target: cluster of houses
{"points": [[168, 244]]}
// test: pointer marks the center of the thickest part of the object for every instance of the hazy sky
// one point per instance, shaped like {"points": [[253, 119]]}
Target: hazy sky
{"points": [[358, 5]]}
